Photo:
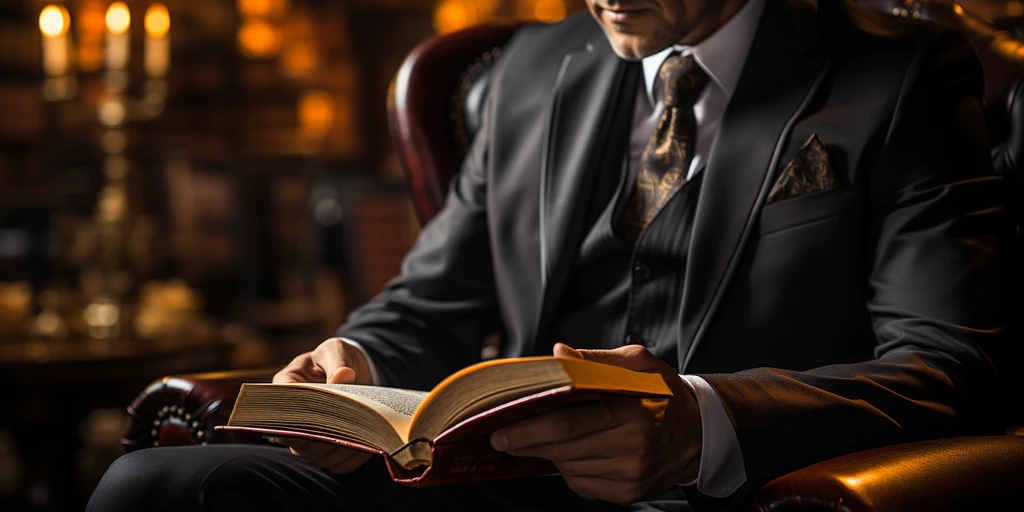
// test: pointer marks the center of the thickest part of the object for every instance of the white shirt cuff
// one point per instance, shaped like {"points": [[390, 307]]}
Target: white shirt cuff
{"points": [[721, 471], [375, 380]]}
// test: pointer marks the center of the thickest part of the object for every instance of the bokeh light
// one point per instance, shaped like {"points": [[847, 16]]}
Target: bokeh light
{"points": [[157, 21], [259, 39], [549, 11], [54, 21], [262, 8], [453, 15], [316, 112], [118, 18]]}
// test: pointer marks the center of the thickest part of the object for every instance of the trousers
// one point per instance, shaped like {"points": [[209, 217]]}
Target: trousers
{"points": [[257, 478]]}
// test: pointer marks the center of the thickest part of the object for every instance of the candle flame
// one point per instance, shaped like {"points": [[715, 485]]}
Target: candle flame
{"points": [[158, 20], [54, 21], [118, 18]]}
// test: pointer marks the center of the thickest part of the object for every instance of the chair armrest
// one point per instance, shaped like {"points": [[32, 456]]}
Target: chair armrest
{"points": [[183, 409], [952, 474]]}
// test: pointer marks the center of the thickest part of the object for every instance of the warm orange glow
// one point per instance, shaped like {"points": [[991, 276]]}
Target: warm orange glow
{"points": [[316, 112], [1014, 9], [261, 8], [485, 9], [90, 57], [549, 10], [259, 39], [89, 32], [118, 18], [89, 20], [957, 9], [299, 59], [453, 15], [158, 20], [54, 21]]}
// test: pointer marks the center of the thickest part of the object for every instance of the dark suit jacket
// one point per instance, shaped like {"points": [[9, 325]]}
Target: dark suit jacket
{"points": [[827, 323]]}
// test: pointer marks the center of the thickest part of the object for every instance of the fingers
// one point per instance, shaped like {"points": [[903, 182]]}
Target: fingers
{"points": [[560, 426], [344, 375], [301, 369], [341, 460], [329, 363], [346, 461], [336, 459], [633, 357], [565, 351], [329, 356], [621, 442]]}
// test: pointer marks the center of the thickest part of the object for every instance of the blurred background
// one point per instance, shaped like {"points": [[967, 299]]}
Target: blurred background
{"points": [[186, 186], [194, 185]]}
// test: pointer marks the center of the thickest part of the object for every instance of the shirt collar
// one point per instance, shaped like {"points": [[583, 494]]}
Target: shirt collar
{"points": [[721, 54]]}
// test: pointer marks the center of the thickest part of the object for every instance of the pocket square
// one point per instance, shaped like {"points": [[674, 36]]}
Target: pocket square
{"points": [[807, 173]]}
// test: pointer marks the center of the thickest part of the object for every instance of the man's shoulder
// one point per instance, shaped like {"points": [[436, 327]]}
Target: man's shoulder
{"points": [[552, 41], [864, 30]]}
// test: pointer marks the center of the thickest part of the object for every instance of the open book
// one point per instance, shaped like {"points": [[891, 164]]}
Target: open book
{"points": [[441, 436]]}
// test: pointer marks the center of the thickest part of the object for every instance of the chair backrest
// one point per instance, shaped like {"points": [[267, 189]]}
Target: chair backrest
{"points": [[435, 106], [1002, 59]]}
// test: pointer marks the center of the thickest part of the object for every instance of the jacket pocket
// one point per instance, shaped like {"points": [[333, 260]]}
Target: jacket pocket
{"points": [[806, 209]]}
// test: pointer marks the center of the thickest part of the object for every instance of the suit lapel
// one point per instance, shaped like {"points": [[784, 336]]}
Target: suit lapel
{"points": [[587, 92], [783, 70]]}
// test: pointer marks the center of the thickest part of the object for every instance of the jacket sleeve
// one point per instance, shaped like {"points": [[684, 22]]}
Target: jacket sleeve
{"points": [[937, 301], [432, 319]]}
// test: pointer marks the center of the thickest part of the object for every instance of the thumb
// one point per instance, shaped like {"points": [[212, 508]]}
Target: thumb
{"points": [[344, 375], [565, 351], [632, 357]]}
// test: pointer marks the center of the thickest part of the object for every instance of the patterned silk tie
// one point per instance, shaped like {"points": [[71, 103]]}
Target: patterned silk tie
{"points": [[667, 156]]}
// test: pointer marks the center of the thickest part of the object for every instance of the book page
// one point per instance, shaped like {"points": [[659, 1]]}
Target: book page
{"points": [[397, 406]]}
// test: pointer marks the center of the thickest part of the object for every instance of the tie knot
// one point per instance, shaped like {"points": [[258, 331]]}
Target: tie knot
{"points": [[682, 79]]}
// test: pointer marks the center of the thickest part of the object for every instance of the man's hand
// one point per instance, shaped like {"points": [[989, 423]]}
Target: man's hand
{"points": [[620, 449], [333, 362]]}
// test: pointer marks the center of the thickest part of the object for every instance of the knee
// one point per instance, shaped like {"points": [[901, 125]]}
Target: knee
{"points": [[141, 480]]}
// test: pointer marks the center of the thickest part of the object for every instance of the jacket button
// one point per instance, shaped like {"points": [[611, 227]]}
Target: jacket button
{"points": [[641, 271]]}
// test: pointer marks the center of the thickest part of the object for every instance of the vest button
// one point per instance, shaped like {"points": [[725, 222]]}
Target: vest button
{"points": [[641, 271]]}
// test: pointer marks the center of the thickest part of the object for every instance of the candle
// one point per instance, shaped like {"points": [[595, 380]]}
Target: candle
{"points": [[118, 49], [54, 22], [157, 55]]}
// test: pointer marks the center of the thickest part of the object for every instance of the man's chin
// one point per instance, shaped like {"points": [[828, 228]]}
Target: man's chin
{"points": [[633, 47]]}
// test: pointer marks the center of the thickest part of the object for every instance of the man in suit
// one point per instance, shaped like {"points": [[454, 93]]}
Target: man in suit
{"points": [[788, 203]]}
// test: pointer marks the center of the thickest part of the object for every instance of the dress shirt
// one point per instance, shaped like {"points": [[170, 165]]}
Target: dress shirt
{"points": [[721, 56]]}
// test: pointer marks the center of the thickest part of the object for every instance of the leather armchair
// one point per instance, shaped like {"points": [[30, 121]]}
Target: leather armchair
{"points": [[434, 109]]}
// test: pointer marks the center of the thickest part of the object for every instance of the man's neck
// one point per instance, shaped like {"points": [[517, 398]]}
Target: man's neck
{"points": [[713, 16]]}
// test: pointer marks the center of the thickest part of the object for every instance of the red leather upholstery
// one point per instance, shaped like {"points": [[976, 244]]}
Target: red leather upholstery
{"points": [[426, 111], [967, 473], [183, 409]]}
